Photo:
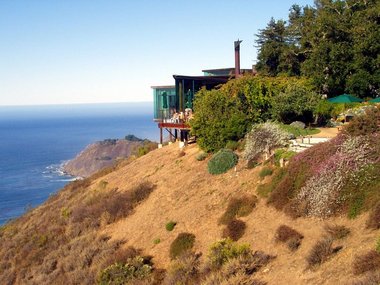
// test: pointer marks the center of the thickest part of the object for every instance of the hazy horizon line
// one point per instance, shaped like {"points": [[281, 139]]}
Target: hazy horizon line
{"points": [[68, 104]]}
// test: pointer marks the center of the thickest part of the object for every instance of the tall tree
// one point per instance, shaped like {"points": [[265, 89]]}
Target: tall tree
{"points": [[336, 43], [364, 79], [272, 45]]}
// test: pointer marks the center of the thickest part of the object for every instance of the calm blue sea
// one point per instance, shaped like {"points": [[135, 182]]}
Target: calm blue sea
{"points": [[36, 140]]}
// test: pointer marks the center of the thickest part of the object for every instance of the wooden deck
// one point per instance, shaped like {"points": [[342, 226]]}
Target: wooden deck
{"points": [[179, 126]]}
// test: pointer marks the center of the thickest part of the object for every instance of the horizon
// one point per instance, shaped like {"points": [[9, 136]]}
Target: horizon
{"points": [[77, 104], [81, 52]]}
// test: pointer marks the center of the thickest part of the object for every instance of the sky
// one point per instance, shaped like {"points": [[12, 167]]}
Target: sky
{"points": [[95, 51]]}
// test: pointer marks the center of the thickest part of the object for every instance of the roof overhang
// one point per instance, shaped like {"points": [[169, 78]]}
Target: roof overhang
{"points": [[162, 86]]}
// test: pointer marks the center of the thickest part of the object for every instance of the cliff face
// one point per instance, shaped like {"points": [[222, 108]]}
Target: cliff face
{"points": [[101, 154], [91, 223]]}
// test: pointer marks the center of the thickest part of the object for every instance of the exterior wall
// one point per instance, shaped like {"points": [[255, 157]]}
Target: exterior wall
{"points": [[164, 101]]}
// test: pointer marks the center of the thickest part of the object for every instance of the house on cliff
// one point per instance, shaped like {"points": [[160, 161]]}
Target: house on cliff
{"points": [[173, 104]]}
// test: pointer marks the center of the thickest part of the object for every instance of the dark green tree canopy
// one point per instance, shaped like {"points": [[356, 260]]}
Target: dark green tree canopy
{"points": [[336, 43]]}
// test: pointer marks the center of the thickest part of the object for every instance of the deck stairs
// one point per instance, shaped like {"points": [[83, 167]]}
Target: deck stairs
{"points": [[301, 144]]}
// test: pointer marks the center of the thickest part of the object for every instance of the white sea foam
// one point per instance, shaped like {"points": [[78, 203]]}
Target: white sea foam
{"points": [[56, 173]]}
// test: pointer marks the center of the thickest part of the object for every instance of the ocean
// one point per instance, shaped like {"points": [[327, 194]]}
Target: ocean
{"points": [[36, 140]]}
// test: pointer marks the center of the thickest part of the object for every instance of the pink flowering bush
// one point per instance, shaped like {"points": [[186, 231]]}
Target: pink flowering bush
{"points": [[321, 194], [341, 175]]}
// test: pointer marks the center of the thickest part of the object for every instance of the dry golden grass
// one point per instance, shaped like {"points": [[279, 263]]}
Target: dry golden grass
{"points": [[46, 244]]}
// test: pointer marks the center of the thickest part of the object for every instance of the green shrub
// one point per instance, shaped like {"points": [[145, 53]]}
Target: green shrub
{"points": [[218, 118], [146, 147], [184, 242], [238, 207], [265, 189], [119, 274], [170, 226], [201, 156], [232, 145], [266, 171], [142, 150], [296, 103], [234, 229], [222, 251], [326, 110], [156, 241], [284, 154], [222, 161], [297, 132]]}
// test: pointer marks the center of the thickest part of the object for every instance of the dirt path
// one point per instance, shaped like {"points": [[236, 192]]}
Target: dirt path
{"points": [[327, 133]]}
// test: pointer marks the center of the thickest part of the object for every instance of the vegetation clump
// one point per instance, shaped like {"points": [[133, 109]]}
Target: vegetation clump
{"points": [[222, 161], [262, 139], [321, 251], [116, 204], [214, 124], [324, 43], [371, 278], [222, 251], [134, 269], [235, 105], [289, 236], [373, 221], [234, 264], [297, 102], [296, 131], [341, 174], [232, 145], [283, 154], [170, 226], [184, 242], [201, 156], [234, 229], [369, 261], [185, 269], [364, 125], [337, 231], [238, 207], [266, 171]]}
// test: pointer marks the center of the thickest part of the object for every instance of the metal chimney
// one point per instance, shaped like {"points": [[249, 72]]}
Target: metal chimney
{"points": [[237, 58]]}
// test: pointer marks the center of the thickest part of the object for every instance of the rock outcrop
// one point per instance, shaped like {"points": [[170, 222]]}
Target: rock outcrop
{"points": [[104, 153]]}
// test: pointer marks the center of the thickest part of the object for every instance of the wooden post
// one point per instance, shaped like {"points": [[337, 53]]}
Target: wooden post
{"points": [[161, 135]]}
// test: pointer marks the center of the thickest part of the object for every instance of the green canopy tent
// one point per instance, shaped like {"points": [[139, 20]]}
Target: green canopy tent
{"points": [[345, 98], [376, 100]]}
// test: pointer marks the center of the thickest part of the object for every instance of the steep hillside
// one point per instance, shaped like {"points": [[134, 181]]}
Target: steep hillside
{"points": [[92, 223]]}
